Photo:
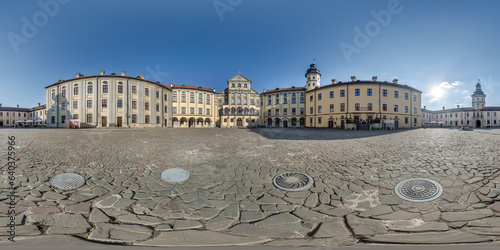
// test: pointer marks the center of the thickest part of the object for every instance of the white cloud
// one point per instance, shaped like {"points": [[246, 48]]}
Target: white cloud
{"points": [[447, 85]]}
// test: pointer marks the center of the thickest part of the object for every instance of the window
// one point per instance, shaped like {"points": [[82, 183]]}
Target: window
{"points": [[414, 110], [89, 103], [157, 120], [75, 104], [342, 93], [319, 96], [384, 92], [302, 111], [146, 119], [396, 94], [356, 92], [370, 106], [166, 109], [285, 100], [331, 107], [415, 122], [301, 97], [245, 85], [208, 112], [157, 107], [395, 108], [174, 110], [146, 106], [120, 89], [75, 89], [369, 92], [89, 89], [191, 98], [119, 103], [285, 111], [63, 119], [89, 118], [174, 96], [384, 107], [342, 107], [356, 106], [311, 110], [200, 111], [294, 99], [269, 112], [183, 97], [134, 89], [134, 104], [406, 109], [165, 97], [53, 94], [277, 111], [157, 94], [311, 98], [63, 107], [134, 118], [414, 98], [75, 116], [104, 103], [146, 91], [277, 100], [233, 85], [105, 88], [406, 96], [406, 120], [319, 119], [319, 109], [183, 110], [63, 93], [269, 102], [293, 111], [331, 94]]}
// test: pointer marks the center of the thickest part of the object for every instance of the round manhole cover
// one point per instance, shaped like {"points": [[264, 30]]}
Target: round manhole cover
{"points": [[418, 190], [292, 181], [67, 181], [175, 175]]}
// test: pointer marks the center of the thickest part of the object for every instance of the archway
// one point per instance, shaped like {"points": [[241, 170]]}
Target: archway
{"points": [[302, 122], [294, 122], [199, 122], [277, 122], [207, 122], [478, 124], [285, 123], [191, 122], [269, 122]]}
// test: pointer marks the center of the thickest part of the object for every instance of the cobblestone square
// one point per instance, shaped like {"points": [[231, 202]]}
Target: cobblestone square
{"points": [[230, 199]]}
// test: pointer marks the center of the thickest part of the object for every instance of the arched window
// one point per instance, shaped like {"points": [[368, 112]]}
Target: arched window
{"points": [[226, 111], [63, 92], [252, 111], [233, 111], [240, 110], [75, 89], [53, 94], [89, 88]]}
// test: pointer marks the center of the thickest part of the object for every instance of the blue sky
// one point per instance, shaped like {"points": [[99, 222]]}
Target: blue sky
{"points": [[438, 47]]}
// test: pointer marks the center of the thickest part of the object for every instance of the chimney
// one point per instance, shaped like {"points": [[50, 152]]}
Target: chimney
{"points": [[395, 81], [334, 81], [171, 85], [38, 104], [425, 107], [353, 78], [0, 105], [101, 72], [18, 105], [264, 90], [458, 106], [122, 73], [141, 76], [78, 75], [443, 108], [374, 78]]}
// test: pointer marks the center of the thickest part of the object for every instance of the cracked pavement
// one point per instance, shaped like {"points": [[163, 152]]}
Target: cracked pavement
{"points": [[230, 199]]}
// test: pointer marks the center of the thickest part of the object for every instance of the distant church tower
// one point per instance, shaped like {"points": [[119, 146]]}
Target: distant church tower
{"points": [[478, 98], [313, 77]]}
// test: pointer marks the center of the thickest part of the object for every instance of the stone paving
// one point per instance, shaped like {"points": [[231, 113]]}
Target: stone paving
{"points": [[230, 199]]}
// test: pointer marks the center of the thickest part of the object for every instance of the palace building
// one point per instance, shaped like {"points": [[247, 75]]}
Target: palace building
{"points": [[10, 117], [123, 101], [477, 116]]}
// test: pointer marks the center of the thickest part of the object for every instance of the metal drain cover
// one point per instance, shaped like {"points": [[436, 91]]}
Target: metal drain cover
{"points": [[67, 181], [293, 181], [175, 175], [418, 190]]}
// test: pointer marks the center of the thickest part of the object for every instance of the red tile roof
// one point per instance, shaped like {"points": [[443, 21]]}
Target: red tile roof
{"points": [[369, 82], [192, 87], [284, 89], [112, 75], [38, 107]]}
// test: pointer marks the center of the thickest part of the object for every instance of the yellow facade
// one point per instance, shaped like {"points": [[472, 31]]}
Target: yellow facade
{"points": [[361, 102], [193, 106]]}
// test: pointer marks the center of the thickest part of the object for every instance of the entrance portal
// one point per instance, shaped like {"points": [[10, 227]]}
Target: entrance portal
{"points": [[119, 121], [104, 121], [478, 124], [239, 122]]}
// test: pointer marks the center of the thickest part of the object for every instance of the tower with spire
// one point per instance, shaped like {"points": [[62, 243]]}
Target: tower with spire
{"points": [[313, 77], [478, 97]]}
